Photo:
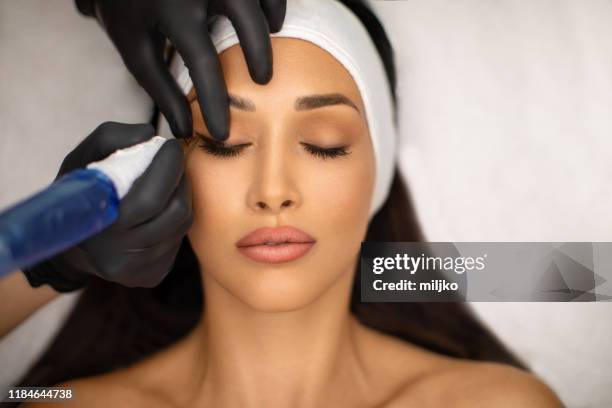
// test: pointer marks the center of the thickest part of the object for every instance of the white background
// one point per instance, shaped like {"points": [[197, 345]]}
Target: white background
{"points": [[506, 137]]}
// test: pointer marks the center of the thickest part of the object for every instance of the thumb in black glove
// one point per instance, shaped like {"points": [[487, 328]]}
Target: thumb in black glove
{"points": [[139, 29], [140, 247]]}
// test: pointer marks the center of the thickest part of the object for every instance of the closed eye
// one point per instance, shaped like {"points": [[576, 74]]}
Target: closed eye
{"points": [[221, 149], [325, 152]]}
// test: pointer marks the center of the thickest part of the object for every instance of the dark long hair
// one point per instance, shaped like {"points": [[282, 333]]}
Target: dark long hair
{"points": [[114, 326]]}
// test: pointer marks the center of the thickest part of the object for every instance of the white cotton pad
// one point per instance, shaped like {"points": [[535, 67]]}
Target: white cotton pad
{"points": [[124, 166]]}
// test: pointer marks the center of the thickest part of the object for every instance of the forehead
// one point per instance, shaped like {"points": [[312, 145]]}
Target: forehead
{"points": [[300, 68]]}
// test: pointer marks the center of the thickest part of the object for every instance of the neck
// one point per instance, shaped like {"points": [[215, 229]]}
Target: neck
{"points": [[260, 359]]}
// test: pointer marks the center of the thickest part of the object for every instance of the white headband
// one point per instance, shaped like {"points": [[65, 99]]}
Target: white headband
{"points": [[333, 27]]}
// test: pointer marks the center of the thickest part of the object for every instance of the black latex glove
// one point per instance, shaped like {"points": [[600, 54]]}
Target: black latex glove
{"points": [[139, 28], [140, 247]]}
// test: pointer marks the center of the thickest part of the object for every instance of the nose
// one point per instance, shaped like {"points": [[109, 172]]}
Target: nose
{"points": [[273, 188]]}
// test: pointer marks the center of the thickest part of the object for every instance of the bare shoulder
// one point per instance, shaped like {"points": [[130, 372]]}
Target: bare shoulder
{"points": [[474, 384], [416, 376], [103, 391], [150, 383]]}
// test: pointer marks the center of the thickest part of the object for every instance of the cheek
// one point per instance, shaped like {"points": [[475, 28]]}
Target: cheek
{"points": [[343, 196], [339, 205], [216, 205]]}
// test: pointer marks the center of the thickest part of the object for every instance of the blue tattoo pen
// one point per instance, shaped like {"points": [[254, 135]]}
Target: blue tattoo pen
{"points": [[73, 208]]}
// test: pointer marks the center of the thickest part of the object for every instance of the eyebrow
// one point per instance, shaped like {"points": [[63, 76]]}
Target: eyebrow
{"points": [[241, 103], [234, 101], [319, 101], [302, 103]]}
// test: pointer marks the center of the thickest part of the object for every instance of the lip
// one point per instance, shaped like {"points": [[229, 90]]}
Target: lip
{"points": [[275, 245]]}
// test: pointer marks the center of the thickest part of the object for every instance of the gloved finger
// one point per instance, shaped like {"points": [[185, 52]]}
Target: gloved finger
{"points": [[104, 140], [124, 262], [149, 266], [150, 273], [250, 24], [159, 248], [152, 190], [147, 64], [193, 42], [176, 217], [275, 11]]}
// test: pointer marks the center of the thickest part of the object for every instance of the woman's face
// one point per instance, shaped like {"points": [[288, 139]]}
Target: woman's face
{"points": [[272, 172]]}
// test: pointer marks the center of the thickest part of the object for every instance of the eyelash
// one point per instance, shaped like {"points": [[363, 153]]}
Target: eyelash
{"points": [[232, 151], [325, 153], [221, 151]]}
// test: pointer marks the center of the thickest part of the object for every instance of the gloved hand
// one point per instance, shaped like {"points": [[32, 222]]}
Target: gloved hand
{"points": [[140, 247], [139, 28]]}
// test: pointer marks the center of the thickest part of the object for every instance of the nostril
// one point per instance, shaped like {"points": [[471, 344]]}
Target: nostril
{"points": [[262, 205]]}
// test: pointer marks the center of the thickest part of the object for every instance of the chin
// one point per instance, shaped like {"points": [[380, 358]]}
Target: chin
{"points": [[279, 290]]}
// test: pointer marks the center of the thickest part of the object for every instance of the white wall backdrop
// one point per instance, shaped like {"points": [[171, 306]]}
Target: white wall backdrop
{"points": [[506, 128]]}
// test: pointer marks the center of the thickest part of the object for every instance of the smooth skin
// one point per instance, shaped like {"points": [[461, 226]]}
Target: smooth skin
{"points": [[20, 300], [282, 335]]}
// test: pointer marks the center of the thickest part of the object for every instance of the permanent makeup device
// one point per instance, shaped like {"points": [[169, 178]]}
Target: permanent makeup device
{"points": [[73, 208]]}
